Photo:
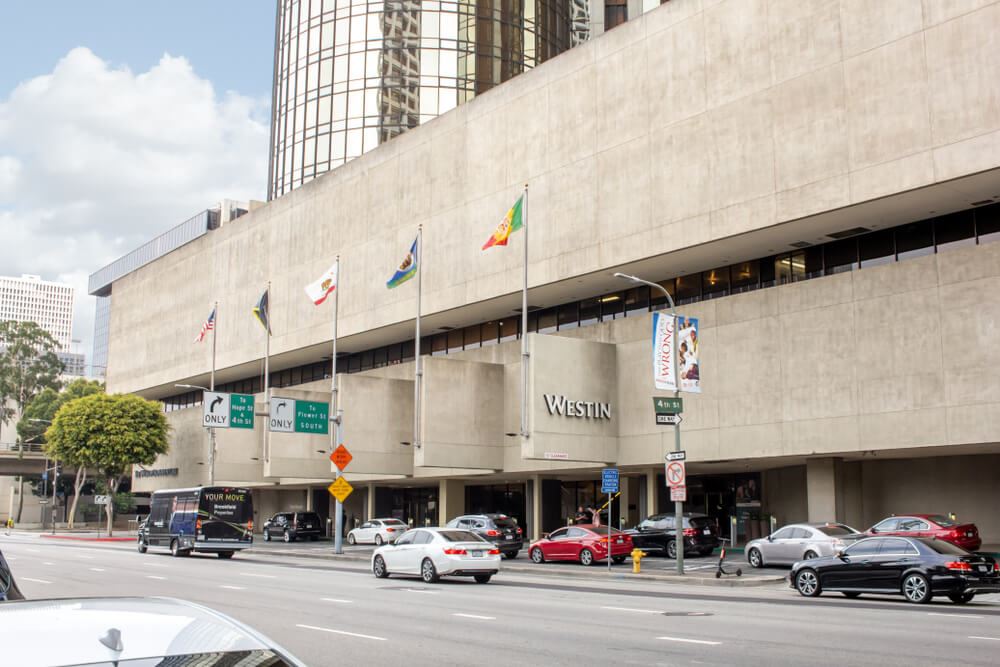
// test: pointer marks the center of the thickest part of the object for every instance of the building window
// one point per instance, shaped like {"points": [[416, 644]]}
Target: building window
{"points": [[988, 223], [744, 277], [569, 316], [636, 301], [955, 231], [877, 248], [615, 13], [715, 283], [914, 240], [688, 289], [841, 256]]}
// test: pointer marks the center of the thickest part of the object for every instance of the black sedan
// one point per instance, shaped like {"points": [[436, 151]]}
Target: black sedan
{"points": [[656, 535], [915, 567]]}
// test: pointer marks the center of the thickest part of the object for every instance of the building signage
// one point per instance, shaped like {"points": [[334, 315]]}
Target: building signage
{"points": [[560, 405], [609, 480], [557, 456], [688, 368], [157, 472], [678, 494], [281, 416], [222, 410], [240, 411], [668, 420], [668, 405], [676, 474], [288, 415]]}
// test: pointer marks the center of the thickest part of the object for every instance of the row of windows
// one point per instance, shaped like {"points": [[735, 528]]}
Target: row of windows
{"points": [[925, 237]]}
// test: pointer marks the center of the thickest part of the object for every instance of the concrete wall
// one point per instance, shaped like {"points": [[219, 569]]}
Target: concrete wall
{"points": [[698, 121]]}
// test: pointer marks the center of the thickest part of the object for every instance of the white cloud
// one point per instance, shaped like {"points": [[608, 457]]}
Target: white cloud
{"points": [[96, 160]]}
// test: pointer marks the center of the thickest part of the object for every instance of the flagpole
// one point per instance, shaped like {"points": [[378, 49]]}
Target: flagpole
{"points": [[267, 375], [418, 373], [338, 544], [211, 384], [524, 319]]}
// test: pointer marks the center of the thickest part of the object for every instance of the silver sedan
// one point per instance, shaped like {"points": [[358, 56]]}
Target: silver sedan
{"points": [[800, 541]]}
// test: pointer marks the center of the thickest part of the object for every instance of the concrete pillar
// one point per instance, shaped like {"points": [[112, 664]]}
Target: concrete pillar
{"points": [[309, 500], [370, 503], [623, 486], [821, 489], [535, 511], [651, 492], [451, 500]]}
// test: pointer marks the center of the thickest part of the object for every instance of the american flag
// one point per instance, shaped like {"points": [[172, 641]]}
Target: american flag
{"points": [[206, 327]]}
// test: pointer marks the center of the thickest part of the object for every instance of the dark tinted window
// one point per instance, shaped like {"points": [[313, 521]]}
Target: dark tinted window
{"points": [[407, 538], [460, 536], [896, 546], [698, 522], [877, 248], [311, 517], [912, 525], [988, 223], [864, 548], [840, 256], [558, 534], [915, 239], [955, 230], [505, 522], [835, 531], [942, 520], [942, 547]]}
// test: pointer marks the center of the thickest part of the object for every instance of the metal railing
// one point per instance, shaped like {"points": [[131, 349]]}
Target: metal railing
{"points": [[22, 447]]}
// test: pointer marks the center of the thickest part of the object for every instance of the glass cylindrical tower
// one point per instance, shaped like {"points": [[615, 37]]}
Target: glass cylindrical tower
{"points": [[351, 74]]}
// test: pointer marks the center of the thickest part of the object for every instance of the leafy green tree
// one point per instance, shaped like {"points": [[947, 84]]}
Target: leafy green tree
{"points": [[111, 432], [37, 417], [28, 364]]}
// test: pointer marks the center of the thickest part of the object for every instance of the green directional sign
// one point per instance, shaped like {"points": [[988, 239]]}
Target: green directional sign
{"points": [[668, 405], [312, 417], [241, 411]]}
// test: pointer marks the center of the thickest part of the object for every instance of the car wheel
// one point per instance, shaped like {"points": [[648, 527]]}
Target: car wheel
{"points": [[755, 558], [379, 569], [672, 549], [510, 555], [618, 559], [483, 578], [961, 598], [287, 537], [267, 535], [807, 583], [851, 594], [175, 548], [428, 572], [809, 555], [917, 589], [586, 557], [537, 556], [351, 539], [141, 546], [379, 541], [226, 555]]}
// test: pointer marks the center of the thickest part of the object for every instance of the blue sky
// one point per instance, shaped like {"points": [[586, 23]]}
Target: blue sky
{"points": [[229, 42]]}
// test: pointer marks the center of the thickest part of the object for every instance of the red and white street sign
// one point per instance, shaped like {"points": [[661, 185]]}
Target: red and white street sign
{"points": [[678, 494], [676, 474]]}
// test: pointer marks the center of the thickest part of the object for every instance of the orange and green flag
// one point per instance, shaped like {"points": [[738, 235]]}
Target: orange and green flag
{"points": [[511, 222]]}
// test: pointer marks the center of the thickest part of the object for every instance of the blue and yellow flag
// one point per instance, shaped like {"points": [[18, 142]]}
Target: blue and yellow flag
{"points": [[407, 268], [260, 312]]}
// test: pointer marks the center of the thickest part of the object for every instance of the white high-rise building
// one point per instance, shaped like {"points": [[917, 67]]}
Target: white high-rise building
{"points": [[48, 304]]}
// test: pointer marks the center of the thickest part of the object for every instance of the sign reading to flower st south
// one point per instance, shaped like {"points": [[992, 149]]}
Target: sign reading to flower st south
{"points": [[290, 415]]}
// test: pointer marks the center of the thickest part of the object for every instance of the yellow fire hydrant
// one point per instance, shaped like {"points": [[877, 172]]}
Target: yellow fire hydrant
{"points": [[637, 556]]}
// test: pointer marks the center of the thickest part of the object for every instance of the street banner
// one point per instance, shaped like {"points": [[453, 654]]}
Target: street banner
{"points": [[663, 357], [687, 354]]}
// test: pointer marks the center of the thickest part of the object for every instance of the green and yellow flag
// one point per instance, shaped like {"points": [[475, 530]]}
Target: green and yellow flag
{"points": [[511, 222]]}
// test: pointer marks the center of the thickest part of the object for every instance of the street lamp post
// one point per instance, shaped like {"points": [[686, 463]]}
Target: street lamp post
{"points": [[211, 435], [678, 505], [55, 477]]}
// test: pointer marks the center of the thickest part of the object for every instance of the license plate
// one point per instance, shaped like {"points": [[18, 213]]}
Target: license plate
{"points": [[983, 568], [707, 531], [618, 541], [476, 554], [968, 534]]}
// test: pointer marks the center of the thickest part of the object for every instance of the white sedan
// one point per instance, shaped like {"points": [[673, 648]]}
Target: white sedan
{"points": [[432, 553], [377, 532]]}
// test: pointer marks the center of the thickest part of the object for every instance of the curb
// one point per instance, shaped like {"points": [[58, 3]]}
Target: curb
{"points": [[88, 539], [591, 575]]}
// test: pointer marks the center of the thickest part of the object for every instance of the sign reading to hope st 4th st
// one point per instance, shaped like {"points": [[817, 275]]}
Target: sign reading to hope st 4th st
{"points": [[222, 410], [288, 415]]}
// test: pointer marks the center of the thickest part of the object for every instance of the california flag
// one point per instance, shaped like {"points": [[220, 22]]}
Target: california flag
{"points": [[319, 290]]}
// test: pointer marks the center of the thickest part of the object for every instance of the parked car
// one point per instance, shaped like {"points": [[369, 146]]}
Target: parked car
{"points": [[290, 526], [432, 553], [377, 531], [800, 541], [8, 586], [131, 631], [917, 568], [965, 535], [585, 543], [656, 535], [499, 529]]}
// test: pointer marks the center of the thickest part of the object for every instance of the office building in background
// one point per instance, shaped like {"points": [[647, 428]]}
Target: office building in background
{"points": [[48, 304]]}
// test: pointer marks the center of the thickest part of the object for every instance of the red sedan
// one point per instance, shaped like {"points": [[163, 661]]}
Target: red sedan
{"points": [[585, 543], [964, 535]]}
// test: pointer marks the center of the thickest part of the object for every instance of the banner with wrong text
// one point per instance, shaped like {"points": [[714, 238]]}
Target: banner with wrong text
{"points": [[688, 367]]}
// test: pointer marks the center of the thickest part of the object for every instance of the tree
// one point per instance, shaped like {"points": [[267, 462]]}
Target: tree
{"points": [[111, 432], [41, 412], [28, 364]]}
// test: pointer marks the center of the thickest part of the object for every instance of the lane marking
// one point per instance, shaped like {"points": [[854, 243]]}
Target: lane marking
{"points": [[262, 576], [32, 551], [233, 588], [992, 639], [97, 569], [85, 557], [153, 576], [37, 581], [637, 611], [337, 600], [156, 565], [46, 562], [690, 641], [935, 613], [340, 632], [417, 590], [481, 618]]}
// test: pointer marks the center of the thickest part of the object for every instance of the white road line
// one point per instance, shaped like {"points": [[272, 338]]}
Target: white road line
{"points": [[85, 557], [262, 576], [337, 600], [417, 590], [934, 613], [46, 562], [153, 576], [689, 641], [481, 618], [233, 588], [156, 565], [340, 632], [638, 611], [992, 639], [97, 569], [37, 581], [32, 551]]}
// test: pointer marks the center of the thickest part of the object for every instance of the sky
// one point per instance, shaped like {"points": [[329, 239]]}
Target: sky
{"points": [[120, 120]]}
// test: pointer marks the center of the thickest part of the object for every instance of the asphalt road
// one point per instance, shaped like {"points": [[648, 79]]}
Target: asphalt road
{"points": [[340, 614]]}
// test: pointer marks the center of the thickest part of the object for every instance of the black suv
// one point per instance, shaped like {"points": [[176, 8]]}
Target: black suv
{"points": [[500, 529], [290, 526], [657, 534]]}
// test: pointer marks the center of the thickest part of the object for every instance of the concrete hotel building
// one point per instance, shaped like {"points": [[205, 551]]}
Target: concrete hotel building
{"points": [[818, 182], [47, 304]]}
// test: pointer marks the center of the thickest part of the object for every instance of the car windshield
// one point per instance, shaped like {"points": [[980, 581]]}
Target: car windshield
{"points": [[946, 548], [942, 520], [698, 522], [393, 522], [308, 516], [836, 531], [504, 522], [460, 536]]}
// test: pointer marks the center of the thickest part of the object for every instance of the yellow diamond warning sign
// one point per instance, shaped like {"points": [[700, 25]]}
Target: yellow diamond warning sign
{"points": [[340, 489]]}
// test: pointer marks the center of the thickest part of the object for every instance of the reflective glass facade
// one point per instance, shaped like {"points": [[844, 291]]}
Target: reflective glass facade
{"points": [[351, 74]]}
